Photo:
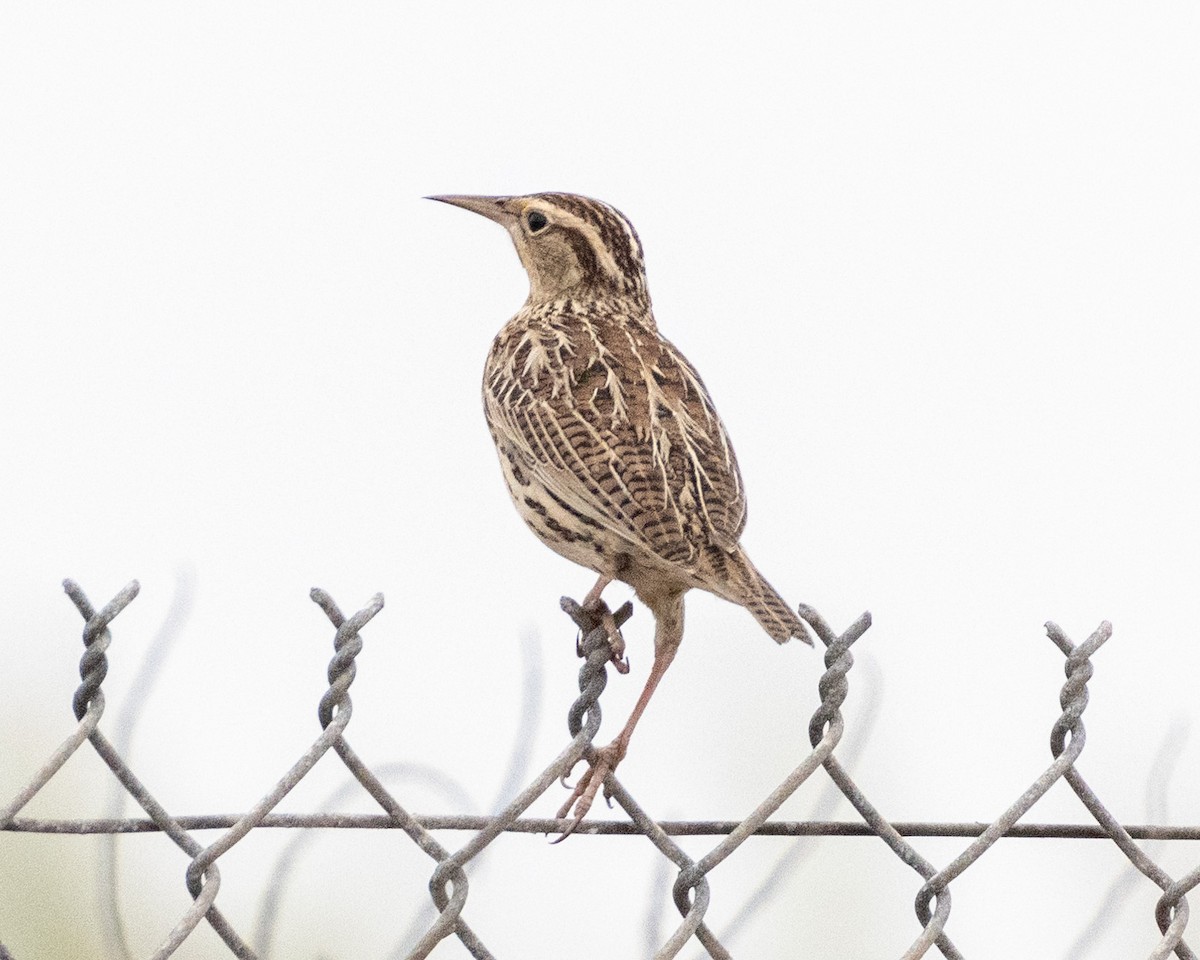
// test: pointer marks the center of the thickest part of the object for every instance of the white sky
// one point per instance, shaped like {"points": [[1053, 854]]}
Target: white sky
{"points": [[938, 266]]}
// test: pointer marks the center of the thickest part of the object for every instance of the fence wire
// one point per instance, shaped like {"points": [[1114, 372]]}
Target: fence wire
{"points": [[448, 883]]}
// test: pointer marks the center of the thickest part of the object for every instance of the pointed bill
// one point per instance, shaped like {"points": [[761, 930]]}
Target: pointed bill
{"points": [[494, 208]]}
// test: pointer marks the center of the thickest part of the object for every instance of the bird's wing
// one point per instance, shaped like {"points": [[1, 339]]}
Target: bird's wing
{"points": [[619, 427]]}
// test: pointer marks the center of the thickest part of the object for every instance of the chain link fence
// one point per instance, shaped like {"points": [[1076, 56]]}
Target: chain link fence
{"points": [[448, 882]]}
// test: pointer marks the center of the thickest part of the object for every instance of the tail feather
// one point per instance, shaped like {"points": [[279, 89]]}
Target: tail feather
{"points": [[751, 590]]}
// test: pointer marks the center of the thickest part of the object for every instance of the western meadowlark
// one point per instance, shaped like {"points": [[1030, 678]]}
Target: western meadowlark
{"points": [[608, 440]]}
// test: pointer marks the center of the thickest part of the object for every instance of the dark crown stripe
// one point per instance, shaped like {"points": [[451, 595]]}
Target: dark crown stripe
{"points": [[616, 233]]}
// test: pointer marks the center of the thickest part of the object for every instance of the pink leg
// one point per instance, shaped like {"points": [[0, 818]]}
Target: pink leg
{"points": [[668, 634], [593, 595]]}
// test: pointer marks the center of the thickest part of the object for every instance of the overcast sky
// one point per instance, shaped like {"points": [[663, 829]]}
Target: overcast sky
{"points": [[937, 263]]}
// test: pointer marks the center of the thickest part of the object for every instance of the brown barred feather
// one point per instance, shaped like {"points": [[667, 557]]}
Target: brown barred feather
{"points": [[613, 451]]}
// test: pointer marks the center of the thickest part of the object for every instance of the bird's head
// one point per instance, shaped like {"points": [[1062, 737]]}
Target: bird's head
{"points": [[569, 245]]}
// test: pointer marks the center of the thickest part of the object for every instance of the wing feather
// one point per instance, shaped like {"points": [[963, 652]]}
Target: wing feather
{"points": [[617, 424]]}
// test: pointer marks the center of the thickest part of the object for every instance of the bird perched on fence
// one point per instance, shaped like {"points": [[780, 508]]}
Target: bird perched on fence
{"points": [[608, 440]]}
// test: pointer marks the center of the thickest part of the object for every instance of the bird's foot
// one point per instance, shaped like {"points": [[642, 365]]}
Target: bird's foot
{"points": [[603, 762], [616, 642]]}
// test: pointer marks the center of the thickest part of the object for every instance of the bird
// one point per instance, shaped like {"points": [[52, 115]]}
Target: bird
{"points": [[608, 440]]}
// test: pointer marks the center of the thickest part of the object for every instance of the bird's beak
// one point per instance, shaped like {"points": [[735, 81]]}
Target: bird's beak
{"points": [[494, 208]]}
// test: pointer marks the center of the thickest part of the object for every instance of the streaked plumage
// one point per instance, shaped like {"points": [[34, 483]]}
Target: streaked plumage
{"points": [[609, 442]]}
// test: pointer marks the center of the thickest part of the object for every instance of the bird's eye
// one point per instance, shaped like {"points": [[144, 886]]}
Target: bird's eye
{"points": [[536, 221]]}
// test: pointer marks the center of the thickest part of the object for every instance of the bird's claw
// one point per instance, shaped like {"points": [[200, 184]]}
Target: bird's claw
{"points": [[616, 642], [583, 795]]}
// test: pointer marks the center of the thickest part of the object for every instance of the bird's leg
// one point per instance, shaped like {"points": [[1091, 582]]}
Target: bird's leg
{"points": [[592, 599], [667, 636], [593, 604]]}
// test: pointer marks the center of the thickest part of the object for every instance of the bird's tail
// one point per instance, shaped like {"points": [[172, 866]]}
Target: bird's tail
{"points": [[751, 590]]}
